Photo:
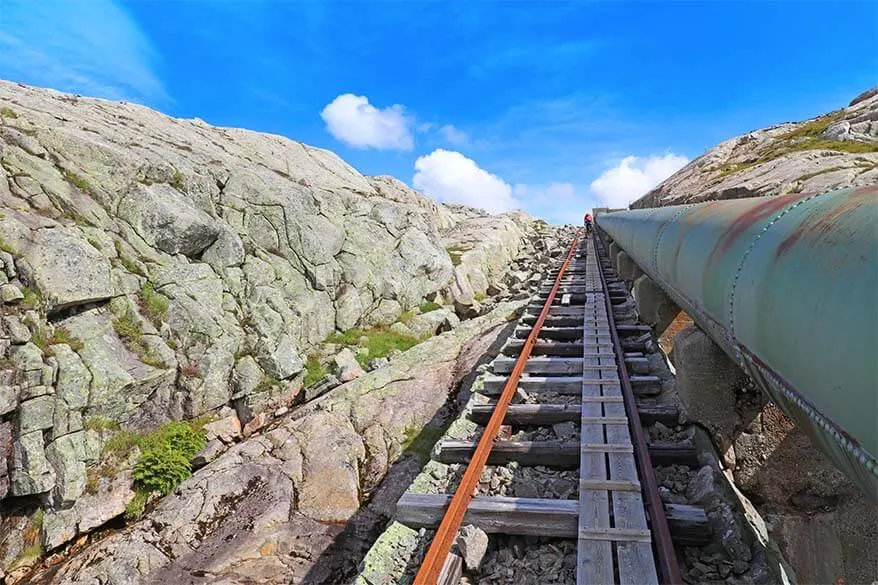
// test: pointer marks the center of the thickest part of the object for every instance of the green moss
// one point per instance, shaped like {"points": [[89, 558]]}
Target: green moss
{"points": [[814, 128], [153, 304], [428, 306], [32, 298], [177, 181], [806, 136], [406, 316], [131, 266], [379, 342], [38, 518], [853, 146], [100, 424], [61, 335], [728, 168], [349, 337], [6, 247], [6, 112], [480, 296], [78, 181], [455, 255], [266, 384], [315, 371], [165, 458], [137, 505], [419, 442], [28, 553], [128, 329], [120, 443]]}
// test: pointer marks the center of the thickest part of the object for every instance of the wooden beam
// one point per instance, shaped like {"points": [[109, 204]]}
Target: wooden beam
{"points": [[555, 454], [554, 348], [552, 365], [537, 516], [549, 414]]}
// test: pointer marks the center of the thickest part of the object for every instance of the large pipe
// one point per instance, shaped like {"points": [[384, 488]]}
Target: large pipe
{"points": [[788, 287]]}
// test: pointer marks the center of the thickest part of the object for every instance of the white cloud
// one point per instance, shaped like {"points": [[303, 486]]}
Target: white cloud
{"points": [[634, 177], [557, 203], [454, 135], [356, 122], [94, 48], [453, 178]]}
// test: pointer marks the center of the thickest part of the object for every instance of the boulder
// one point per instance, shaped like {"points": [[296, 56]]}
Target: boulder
{"points": [[346, 366], [433, 322], [65, 269]]}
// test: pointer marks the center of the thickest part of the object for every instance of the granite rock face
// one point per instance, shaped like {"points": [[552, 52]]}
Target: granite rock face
{"points": [[834, 151], [272, 504], [154, 269]]}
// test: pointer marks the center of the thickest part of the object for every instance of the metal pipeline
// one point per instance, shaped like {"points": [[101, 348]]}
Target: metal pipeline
{"points": [[788, 287]]}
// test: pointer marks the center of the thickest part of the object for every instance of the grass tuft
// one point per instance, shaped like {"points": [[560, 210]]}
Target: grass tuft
{"points": [[61, 336], [315, 371], [6, 112], [153, 304], [177, 181], [128, 329], [79, 182], [380, 341], [100, 424], [428, 306], [32, 298], [456, 255]]}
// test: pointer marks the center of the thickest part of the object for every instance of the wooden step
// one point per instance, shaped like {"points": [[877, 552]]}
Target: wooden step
{"points": [[554, 348], [537, 516], [568, 333], [554, 365], [549, 414], [554, 454], [570, 385]]}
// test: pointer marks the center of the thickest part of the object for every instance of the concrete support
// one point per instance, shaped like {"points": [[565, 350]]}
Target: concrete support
{"points": [[654, 306], [706, 384], [626, 268], [613, 249]]}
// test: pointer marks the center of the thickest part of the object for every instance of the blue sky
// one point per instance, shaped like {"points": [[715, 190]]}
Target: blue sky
{"points": [[551, 106]]}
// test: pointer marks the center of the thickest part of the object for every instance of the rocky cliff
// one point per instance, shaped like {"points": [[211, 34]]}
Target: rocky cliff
{"points": [[834, 151], [154, 269]]}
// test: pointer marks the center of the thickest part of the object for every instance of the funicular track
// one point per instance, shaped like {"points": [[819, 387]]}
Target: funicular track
{"points": [[568, 353]]}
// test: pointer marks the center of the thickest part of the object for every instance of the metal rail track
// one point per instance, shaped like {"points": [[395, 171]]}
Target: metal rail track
{"points": [[619, 521]]}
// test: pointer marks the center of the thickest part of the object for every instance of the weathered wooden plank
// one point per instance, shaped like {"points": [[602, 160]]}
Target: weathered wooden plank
{"points": [[523, 331], [537, 516], [547, 365], [594, 559], [569, 385], [526, 516], [609, 485], [617, 534], [452, 570], [560, 333], [555, 454], [689, 525], [553, 348], [635, 559], [637, 365]]}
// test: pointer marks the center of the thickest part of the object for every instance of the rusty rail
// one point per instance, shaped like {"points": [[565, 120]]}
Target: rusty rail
{"points": [[669, 571], [431, 567]]}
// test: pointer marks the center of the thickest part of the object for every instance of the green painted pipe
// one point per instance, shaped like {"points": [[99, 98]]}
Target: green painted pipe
{"points": [[788, 287]]}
